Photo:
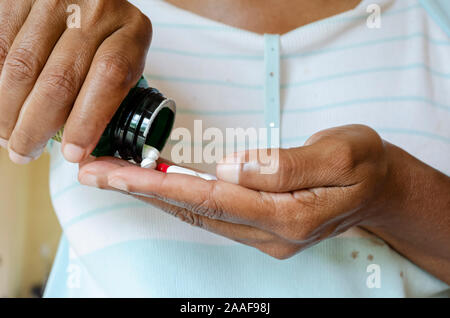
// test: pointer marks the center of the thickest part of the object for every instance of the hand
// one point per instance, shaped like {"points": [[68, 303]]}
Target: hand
{"points": [[334, 182], [52, 74]]}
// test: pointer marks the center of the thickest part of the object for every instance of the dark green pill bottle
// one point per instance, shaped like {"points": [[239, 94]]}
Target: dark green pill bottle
{"points": [[145, 118]]}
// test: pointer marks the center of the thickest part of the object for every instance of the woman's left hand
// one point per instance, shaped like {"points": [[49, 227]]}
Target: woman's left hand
{"points": [[338, 179]]}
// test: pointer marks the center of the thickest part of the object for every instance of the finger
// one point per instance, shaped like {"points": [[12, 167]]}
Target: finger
{"points": [[116, 67], [94, 172], [216, 200], [10, 27], [48, 105], [99, 161], [24, 62], [295, 168], [329, 160]]}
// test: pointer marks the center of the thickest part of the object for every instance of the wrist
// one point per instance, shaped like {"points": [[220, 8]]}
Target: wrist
{"points": [[395, 190]]}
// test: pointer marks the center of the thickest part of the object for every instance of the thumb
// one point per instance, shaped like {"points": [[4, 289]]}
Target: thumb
{"points": [[280, 170]]}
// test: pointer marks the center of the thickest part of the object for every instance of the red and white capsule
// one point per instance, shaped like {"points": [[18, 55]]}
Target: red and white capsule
{"points": [[176, 169]]}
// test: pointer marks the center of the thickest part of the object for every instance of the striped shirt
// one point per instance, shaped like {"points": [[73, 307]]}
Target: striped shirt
{"points": [[337, 71]]}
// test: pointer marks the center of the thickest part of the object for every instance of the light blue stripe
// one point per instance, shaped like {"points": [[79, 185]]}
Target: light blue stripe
{"points": [[369, 100], [412, 132], [439, 11], [373, 100], [368, 71], [307, 82], [204, 82], [362, 17], [102, 210], [387, 130], [301, 139], [207, 55], [194, 112], [64, 190], [303, 54], [198, 27], [365, 44]]}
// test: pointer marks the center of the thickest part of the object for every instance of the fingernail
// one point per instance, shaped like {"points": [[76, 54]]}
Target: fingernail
{"points": [[118, 184], [89, 180], [73, 153], [19, 159], [229, 172], [3, 143]]}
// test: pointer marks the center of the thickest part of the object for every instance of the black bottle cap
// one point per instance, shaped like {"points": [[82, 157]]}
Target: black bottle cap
{"points": [[144, 117]]}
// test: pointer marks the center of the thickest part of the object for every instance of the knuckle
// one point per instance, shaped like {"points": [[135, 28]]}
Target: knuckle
{"points": [[61, 83], [6, 127], [208, 205], [289, 162], [144, 25], [116, 70], [189, 218], [344, 156], [97, 10], [53, 5], [4, 48], [373, 138], [22, 65], [316, 137], [100, 11], [138, 18], [23, 142]]}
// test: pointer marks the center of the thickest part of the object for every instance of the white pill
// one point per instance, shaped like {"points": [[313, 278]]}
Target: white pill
{"points": [[148, 163], [149, 152], [182, 170], [150, 155]]}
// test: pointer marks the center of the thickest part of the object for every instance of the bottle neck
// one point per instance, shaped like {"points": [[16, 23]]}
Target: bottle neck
{"points": [[145, 117]]}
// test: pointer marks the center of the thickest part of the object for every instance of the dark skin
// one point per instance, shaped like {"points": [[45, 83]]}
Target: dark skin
{"points": [[268, 16], [342, 177]]}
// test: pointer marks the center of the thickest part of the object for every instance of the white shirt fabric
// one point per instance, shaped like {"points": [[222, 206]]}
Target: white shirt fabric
{"points": [[337, 71]]}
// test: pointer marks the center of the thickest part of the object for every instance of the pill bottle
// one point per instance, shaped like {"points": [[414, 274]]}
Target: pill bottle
{"points": [[140, 127]]}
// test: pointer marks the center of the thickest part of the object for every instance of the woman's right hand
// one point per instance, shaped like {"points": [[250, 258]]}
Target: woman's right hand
{"points": [[55, 72]]}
